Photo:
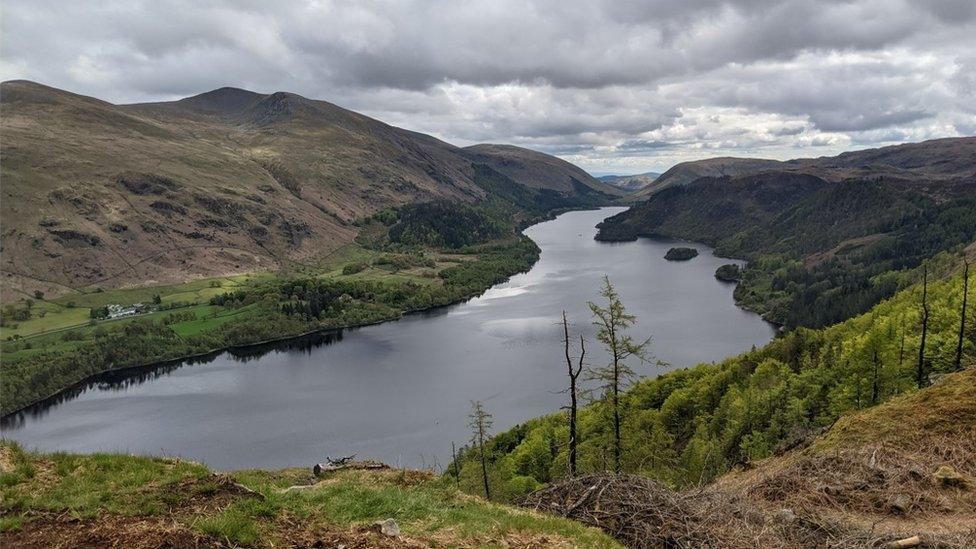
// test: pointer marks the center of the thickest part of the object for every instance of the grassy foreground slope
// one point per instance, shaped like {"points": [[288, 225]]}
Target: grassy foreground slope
{"points": [[693, 425], [102, 500]]}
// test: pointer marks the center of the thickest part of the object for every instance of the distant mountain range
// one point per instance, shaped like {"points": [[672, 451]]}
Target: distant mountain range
{"points": [[631, 183], [934, 160], [97, 194]]}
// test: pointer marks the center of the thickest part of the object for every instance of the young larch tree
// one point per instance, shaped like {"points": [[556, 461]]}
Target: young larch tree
{"points": [[611, 321], [480, 423]]}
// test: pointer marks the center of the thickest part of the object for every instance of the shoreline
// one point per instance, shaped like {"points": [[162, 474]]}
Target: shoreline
{"points": [[332, 330], [227, 348]]}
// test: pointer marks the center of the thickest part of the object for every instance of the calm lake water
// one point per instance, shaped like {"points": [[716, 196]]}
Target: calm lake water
{"points": [[400, 391]]}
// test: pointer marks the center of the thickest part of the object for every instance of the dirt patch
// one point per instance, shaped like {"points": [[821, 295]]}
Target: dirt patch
{"points": [[207, 495], [105, 531], [847, 246]]}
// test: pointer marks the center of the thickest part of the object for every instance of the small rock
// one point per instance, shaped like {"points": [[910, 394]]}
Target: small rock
{"points": [[900, 504], [947, 476], [389, 527], [786, 515], [298, 488]]}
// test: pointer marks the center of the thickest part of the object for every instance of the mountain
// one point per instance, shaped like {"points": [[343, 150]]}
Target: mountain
{"points": [[686, 172], [825, 237], [537, 170], [631, 183], [227, 181], [933, 160]]}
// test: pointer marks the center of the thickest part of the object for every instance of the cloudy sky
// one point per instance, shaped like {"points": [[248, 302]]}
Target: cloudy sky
{"points": [[615, 86]]}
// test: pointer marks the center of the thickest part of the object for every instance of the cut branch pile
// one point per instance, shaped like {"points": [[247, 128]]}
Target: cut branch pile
{"points": [[636, 510]]}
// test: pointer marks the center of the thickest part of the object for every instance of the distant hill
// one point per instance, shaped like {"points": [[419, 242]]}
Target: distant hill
{"points": [[96, 194], [825, 237], [933, 160], [536, 169], [686, 172], [631, 183]]}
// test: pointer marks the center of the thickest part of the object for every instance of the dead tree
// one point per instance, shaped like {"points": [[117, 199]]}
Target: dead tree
{"points": [[574, 374], [332, 464], [962, 314], [875, 384], [480, 424], [920, 369], [457, 466]]}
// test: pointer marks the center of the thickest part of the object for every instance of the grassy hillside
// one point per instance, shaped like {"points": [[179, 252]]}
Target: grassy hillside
{"points": [[226, 182], [692, 425], [102, 500], [631, 183]]}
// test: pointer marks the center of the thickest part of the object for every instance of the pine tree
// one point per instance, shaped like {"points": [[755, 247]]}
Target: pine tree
{"points": [[480, 424], [611, 321]]}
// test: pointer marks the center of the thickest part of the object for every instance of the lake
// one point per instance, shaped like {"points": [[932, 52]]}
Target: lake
{"points": [[400, 392]]}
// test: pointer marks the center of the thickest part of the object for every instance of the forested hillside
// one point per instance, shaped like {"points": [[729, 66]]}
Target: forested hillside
{"points": [[819, 251], [933, 160], [691, 425]]}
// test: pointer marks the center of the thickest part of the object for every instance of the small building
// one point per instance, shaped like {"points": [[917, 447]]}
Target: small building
{"points": [[118, 311]]}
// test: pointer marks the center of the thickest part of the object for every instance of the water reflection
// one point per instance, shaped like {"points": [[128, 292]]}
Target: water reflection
{"points": [[399, 392], [124, 379]]}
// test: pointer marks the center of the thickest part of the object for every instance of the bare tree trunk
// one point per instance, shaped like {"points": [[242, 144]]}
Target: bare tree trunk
{"points": [[875, 386], [920, 369], [573, 376], [616, 399], [484, 469], [457, 466], [616, 428], [480, 423], [962, 314], [901, 350]]}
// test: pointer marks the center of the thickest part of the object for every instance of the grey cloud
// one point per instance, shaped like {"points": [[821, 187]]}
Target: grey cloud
{"points": [[593, 80]]}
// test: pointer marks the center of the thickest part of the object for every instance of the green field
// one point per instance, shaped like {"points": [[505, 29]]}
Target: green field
{"points": [[53, 317]]}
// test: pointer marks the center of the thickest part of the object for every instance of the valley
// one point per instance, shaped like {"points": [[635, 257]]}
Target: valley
{"points": [[252, 282], [398, 391]]}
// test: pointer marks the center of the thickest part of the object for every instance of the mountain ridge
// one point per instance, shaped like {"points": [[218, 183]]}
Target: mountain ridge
{"points": [[631, 183], [227, 181], [905, 161]]}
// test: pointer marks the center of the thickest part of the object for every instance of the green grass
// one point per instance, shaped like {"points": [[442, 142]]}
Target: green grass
{"points": [[223, 316], [425, 506], [74, 310], [231, 525], [51, 318], [86, 485]]}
